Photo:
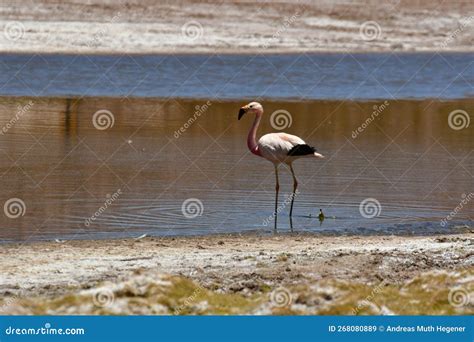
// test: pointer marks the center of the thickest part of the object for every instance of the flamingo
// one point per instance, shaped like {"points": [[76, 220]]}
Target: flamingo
{"points": [[277, 148]]}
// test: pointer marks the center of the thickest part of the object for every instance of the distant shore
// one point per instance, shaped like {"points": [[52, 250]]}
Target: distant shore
{"points": [[148, 27], [283, 274]]}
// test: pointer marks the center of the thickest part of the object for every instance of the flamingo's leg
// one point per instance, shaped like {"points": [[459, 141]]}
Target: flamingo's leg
{"points": [[295, 185], [277, 188]]}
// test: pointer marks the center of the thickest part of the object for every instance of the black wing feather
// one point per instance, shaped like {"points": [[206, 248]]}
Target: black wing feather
{"points": [[301, 150]]}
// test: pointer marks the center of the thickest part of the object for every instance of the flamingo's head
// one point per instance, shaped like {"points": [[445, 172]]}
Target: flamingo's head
{"points": [[252, 108]]}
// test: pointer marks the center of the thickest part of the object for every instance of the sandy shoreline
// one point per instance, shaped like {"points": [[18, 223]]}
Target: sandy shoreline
{"points": [[104, 27], [195, 275]]}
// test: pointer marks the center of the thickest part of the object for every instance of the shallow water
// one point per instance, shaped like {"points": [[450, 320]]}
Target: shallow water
{"points": [[64, 169], [300, 76]]}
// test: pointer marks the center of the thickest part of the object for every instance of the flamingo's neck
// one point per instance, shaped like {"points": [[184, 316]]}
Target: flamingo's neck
{"points": [[252, 137]]}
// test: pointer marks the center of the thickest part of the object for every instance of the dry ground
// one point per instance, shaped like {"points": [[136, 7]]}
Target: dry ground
{"points": [[184, 26], [297, 274]]}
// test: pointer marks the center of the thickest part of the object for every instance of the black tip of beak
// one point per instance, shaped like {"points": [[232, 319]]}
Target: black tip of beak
{"points": [[241, 113]]}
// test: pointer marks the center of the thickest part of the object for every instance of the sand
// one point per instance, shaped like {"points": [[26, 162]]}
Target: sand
{"points": [[133, 27], [321, 274]]}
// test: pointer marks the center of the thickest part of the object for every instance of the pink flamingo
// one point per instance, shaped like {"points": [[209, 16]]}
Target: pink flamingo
{"points": [[277, 148]]}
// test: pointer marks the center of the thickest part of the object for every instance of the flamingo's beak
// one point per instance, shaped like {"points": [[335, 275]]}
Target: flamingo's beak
{"points": [[242, 111]]}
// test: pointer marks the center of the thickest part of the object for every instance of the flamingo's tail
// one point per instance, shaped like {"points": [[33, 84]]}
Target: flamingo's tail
{"points": [[318, 155]]}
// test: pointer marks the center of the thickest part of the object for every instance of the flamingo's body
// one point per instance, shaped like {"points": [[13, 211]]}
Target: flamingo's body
{"points": [[277, 148], [284, 148]]}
